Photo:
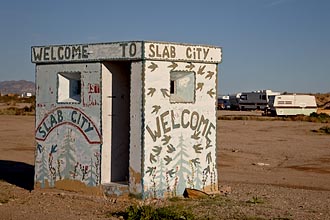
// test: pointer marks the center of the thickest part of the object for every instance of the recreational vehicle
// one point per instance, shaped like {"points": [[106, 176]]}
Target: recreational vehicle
{"points": [[283, 105], [256, 100], [233, 100], [223, 102]]}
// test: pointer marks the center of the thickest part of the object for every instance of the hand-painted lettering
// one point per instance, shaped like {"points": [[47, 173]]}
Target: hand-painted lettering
{"points": [[162, 51], [53, 53], [60, 53], [152, 52], [174, 126], [68, 116], [165, 123], [42, 132], [194, 120], [184, 125], [46, 53], [123, 48], [84, 51], [206, 52], [132, 49], [209, 131], [57, 117], [157, 133]]}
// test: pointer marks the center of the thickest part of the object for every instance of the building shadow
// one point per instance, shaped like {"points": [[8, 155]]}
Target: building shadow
{"points": [[17, 173]]}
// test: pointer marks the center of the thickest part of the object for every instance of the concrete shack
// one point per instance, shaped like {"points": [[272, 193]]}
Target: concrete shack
{"points": [[132, 117]]}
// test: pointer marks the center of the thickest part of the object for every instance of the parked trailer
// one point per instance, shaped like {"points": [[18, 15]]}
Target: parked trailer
{"points": [[256, 100], [283, 105]]}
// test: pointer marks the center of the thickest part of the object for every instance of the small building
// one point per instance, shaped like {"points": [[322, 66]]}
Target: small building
{"points": [[133, 117], [26, 95]]}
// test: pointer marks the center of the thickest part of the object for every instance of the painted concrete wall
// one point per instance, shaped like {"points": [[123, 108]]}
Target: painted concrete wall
{"points": [[179, 138], [136, 122], [106, 125], [145, 110], [67, 133]]}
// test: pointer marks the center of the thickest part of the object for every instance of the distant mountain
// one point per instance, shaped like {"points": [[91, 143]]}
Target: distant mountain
{"points": [[17, 87]]}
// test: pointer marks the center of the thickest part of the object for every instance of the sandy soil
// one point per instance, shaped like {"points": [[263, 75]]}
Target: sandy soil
{"points": [[268, 169]]}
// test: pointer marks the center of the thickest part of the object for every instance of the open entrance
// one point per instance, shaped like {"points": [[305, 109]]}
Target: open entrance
{"points": [[117, 87]]}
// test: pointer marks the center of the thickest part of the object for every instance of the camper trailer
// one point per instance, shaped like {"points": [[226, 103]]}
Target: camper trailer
{"points": [[283, 105], [256, 100]]}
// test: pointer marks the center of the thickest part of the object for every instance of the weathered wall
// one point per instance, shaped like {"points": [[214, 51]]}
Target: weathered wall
{"points": [[179, 138], [68, 132], [136, 115]]}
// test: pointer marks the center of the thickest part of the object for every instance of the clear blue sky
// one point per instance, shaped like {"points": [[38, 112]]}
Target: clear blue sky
{"points": [[283, 45]]}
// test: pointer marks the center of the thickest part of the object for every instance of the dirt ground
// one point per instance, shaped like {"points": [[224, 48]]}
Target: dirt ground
{"points": [[268, 170]]}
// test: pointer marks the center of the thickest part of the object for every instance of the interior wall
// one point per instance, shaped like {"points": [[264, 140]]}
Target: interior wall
{"points": [[106, 125], [119, 119]]}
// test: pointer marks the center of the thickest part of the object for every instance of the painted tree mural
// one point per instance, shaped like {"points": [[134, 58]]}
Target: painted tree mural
{"points": [[181, 164], [42, 172], [68, 155]]}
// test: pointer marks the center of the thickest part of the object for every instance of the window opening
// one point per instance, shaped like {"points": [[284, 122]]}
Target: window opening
{"points": [[182, 87], [69, 87]]}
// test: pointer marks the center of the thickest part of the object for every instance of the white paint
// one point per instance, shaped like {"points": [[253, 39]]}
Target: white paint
{"points": [[135, 127], [184, 52], [106, 125]]}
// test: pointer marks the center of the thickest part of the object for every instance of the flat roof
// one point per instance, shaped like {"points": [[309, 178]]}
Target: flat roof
{"points": [[126, 50]]}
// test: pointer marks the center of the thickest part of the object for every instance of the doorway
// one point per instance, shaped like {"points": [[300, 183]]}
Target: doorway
{"points": [[118, 90]]}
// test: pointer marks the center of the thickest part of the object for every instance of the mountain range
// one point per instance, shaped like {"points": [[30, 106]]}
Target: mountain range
{"points": [[16, 87]]}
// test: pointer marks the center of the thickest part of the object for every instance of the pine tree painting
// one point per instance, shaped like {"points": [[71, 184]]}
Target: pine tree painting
{"points": [[91, 181], [68, 155], [182, 164], [42, 165], [198, 180], [161, 179]]}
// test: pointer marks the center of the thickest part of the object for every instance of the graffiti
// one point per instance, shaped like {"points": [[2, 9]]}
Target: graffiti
{"points": [[64, 162], [59, 52], [153, 66], [201, 70], [162, 51], [190, 66], [165, 93], [197, 53], [151, 91], [209, 75], [170, 148], [211, 93], [180, 141], [71, 116], [168, 51], [197, 148], [156, 109], [193, 120], [200, 86], [166, 139], [173, 66], [93, 88]]}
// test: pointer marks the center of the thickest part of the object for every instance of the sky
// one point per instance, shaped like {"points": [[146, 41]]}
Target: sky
{"points": [[282, 45]]}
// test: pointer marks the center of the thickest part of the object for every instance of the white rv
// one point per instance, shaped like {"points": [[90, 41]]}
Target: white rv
{"points": [[256, 100], [283, 105]]}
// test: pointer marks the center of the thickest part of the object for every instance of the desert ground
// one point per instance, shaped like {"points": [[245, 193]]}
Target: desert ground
{"points": [[267, 170]]}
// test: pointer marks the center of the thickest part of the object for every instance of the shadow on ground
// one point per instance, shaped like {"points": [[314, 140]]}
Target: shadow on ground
{"points": [[17, 173]]}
